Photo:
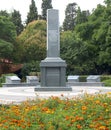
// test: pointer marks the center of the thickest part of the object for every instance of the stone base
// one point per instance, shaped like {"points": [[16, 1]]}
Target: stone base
{"points": [[39, 88], [20, 84], [85, 84], [53, 72]]}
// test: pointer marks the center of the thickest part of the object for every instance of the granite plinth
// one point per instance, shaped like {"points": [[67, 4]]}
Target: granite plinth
{"points": [[73, 78], [53, 88], [53, 72], [93, 78], [53, 77], [99, 84], [32, 79], [19, 84], [12, 79]]}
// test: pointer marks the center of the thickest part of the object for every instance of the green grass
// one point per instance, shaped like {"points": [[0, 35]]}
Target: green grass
{"points": [[91, 112]]}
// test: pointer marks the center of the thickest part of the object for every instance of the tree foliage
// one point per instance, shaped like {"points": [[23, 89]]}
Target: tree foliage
{"points": [[4, 13], [33, 41], [30, 67], [93, 35], [8, 33], [70, 17], [85, 38], [46, 4], [16, 19], [82, 16], [7, 29], [76, 53], [33, 13], [6, 50]]}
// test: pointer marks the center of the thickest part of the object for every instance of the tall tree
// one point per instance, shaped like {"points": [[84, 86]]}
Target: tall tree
{"points": [[107, 2], [33, 13], [4, 13], [6, 50], [77, 53], [82, 16], [46, 4], [7, 37], [32, 41], [7, 29], [16, 19], [70, 17], [96, 32]]}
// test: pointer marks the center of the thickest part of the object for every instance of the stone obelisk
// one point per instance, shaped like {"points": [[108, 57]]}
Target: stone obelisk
{"points": [[53, 68]]}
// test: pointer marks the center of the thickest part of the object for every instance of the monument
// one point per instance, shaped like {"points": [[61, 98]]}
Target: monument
{"points": [[53, 68]]}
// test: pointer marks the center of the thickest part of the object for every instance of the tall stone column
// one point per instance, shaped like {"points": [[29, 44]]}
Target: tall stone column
{"points": [[53, 68], [53, 42]]}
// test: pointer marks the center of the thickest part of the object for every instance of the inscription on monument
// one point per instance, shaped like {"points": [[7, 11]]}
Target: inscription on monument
{"points": [[53, 76]]}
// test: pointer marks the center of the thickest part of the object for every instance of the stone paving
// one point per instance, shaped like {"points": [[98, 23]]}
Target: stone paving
{"points": [[19, 94]]}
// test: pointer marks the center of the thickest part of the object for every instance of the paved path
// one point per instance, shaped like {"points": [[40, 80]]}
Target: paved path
{"points": [[19, 94]]}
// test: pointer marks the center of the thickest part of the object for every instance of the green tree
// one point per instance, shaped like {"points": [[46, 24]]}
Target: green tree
{"points": [[29, 68], [107, 2], [7, 29], [88, 30], [6, 50], [16, 19], [4, 13], [33, 13], [96, 33], [101, 16], [70, 17], [90, 35], [33, 41], [104, 38], [76, 53], [7, 38], [82, 16], [85, 30], [46, 4]]}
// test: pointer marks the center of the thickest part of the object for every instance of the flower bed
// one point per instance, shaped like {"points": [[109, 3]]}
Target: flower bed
{"points": [[91, 112]]}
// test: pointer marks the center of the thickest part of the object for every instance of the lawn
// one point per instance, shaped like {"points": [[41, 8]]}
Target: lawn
{"points": [[90, 112]]}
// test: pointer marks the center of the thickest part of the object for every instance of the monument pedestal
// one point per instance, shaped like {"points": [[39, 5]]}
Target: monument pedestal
{"points": [[53, 77], [53, 68]]}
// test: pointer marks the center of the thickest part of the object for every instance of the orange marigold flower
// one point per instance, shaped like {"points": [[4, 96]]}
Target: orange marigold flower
{"points": [[73, 120], [45, 109], [91, 125], [79, 126], [67, 117], [1, 124], [84, 108], [103, 128], [79, 118], [97, 102]]}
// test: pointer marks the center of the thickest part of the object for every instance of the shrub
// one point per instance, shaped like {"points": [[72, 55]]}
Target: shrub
{"points": [[29, 68], [106, 79], [107, 82], [83, 78]]}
